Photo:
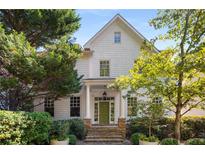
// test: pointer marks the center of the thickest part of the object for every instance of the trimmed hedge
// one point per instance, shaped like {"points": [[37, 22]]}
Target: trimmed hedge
{"points": [[191, 127], [24, 127], [196, 141]]}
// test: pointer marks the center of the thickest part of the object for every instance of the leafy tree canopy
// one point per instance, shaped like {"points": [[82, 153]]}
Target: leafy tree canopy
{"points": [[25, 72], [40, 26], [176, 74]]}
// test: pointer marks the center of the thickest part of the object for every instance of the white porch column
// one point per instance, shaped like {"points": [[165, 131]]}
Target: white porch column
{"points": [[122, 104], [87, 102]]}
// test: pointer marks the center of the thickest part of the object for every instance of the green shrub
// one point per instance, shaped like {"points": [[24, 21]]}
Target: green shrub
{"points": [[135, 138], [24, 127], [191, 127], [196, 141], [72, 139], [60, 130], [12, 126], [152, 139], [169, 141], [77, 128], [148, 139], [142, 137]]}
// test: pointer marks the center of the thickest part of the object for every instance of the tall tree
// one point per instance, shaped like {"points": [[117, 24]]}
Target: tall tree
{"points": [[40, 26], [176, 74], [25, 72]]}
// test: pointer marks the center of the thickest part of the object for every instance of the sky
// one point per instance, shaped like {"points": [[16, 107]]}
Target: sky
{"points": [[93, 20]]}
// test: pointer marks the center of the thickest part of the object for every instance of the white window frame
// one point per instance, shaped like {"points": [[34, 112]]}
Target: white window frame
{"points": [[108, 68], [110, 102], [98, 102], [49, 103], [117, 37], [76, 106], [130, 105]]}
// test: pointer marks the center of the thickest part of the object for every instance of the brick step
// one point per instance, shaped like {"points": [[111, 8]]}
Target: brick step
{"points": [[104, 137], [104, 140], [101, 130], [104, 134]]}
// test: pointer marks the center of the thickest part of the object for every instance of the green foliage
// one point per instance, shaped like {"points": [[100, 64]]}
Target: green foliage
{"points": [[191, 127], [29, 72], [39, 133], [176, 74], [184, 27], [149, 139], [142, 137], [60, 130], [169, 141], [77, 128], [59, 63], [72, 139], [24, 128], [41, 26], [11, 127], [135, 138], [196, 141]]}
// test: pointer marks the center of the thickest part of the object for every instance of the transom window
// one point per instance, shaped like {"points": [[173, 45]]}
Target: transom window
{"points": [[104, 68], [131, 105], [157, 100], [49, 105], [117, 37], [75, 106]]}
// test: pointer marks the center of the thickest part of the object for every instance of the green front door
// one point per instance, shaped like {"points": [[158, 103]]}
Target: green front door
{"points": [[104, 113]]}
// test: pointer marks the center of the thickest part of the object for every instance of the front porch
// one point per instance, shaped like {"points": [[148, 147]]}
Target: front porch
{"points": [[104, 107]]}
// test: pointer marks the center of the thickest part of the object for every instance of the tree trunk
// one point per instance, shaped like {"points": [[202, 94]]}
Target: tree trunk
{"points": [[178, 124], [150, 128]]}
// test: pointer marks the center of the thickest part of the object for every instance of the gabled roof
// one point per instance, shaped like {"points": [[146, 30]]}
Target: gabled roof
{"points": [[118, 16]]}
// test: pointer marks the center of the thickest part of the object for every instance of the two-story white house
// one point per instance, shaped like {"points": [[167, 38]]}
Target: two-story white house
{"points": [[111, 52]]}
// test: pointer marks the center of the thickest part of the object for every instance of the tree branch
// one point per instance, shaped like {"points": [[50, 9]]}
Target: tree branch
{"points": [[193, 106], [194, 31]]}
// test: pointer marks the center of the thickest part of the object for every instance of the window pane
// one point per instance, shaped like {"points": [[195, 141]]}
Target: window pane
{"points": [[104, 68], [49, 105], [131, 105], [96, 112], [112, 105], [75, 106], [117, 37]]}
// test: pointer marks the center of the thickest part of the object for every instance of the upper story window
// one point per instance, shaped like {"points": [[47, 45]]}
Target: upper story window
{"points": [[49, 105], [75, 106], [104, 68], [131, 106], [157, 100], [117, 37]]}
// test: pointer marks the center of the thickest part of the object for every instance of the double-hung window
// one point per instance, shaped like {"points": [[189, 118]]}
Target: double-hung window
{"points": [[131, 106], [104, 68], [49, 105], [117, 37], [74, 106]]}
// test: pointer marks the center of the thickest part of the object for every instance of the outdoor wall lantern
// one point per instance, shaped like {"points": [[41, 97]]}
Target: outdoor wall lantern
{"points": [[104, 95]]}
